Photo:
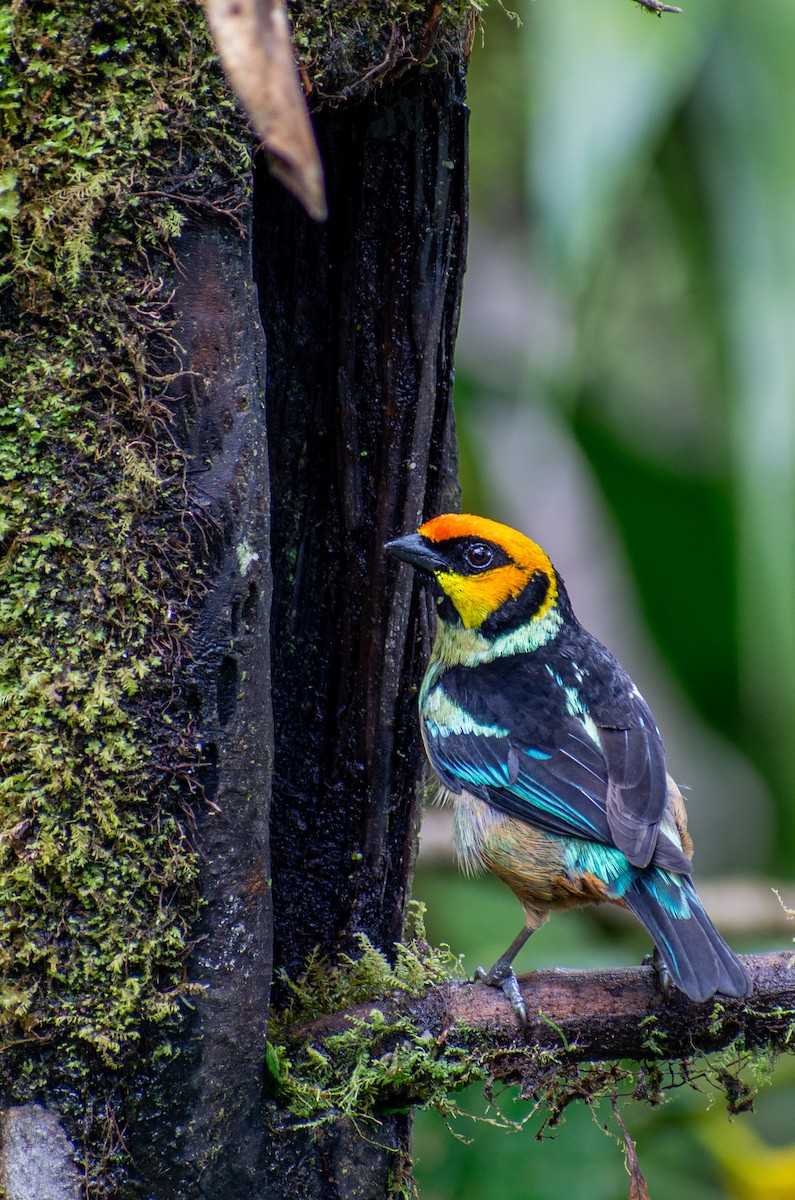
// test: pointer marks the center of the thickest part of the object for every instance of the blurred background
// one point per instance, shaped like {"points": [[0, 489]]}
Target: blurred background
{"points": [[626, 395]]}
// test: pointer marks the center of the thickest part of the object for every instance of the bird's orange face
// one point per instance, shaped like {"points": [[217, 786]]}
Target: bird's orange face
{"points": [[478, 564]]}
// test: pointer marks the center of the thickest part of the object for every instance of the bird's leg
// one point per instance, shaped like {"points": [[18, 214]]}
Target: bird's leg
{"points": [[502, 975], [664, 976]]}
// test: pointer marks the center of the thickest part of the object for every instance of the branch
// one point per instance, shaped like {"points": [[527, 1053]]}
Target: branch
{"points": [[575, 1016], [655, 7]]}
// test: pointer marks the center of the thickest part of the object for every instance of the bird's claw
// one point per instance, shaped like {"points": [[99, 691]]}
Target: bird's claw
{"points": [[502, 975], [664, 977]]}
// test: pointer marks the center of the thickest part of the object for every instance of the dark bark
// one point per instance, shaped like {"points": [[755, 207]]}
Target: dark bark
{"points": [[360, 317], [583, 1016], [217, 1099]]}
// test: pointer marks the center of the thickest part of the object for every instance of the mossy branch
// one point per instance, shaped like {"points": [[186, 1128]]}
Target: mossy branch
{"points": [[416, 1048], [589, 1014]]}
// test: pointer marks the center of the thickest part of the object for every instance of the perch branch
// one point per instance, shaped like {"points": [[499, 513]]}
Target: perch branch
{"points": [[582, 1015]]}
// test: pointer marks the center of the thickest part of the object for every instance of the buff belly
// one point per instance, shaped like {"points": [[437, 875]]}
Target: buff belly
{"points": [[530, 862]]}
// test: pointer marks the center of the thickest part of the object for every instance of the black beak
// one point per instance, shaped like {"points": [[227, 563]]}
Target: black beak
{"points": [[415, 549]]}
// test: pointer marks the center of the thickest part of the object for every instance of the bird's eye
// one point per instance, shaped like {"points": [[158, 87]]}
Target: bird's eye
{"points": [[478, 556]]}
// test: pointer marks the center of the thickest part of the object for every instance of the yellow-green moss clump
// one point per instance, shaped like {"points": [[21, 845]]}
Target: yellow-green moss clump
{"points": [[114, 120], [376, 1063]]}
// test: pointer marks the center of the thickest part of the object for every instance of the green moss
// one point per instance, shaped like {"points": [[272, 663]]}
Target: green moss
{"points": [[378, 1063], [328, 988], [114, 124], [348, 47]]}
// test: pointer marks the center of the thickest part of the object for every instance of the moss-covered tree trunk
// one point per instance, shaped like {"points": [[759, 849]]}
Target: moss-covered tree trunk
{"points": [[124, 181], [137, 516]]}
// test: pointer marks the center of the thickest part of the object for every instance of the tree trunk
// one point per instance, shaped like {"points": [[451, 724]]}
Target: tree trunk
{"points": [[220, 397], [360, 318], [137, 736]]}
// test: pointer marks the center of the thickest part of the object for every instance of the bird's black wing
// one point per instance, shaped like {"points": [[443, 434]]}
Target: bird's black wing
{"points": [[524, 739]]}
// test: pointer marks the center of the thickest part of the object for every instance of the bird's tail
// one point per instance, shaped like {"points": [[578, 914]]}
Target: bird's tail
{"points": [[689, 945]]}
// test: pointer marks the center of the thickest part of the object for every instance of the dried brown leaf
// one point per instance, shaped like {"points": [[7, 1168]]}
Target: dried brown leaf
{"points": [[253, 40]]}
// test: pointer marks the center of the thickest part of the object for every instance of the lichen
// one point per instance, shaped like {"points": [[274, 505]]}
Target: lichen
{"points": [[115, 124]]}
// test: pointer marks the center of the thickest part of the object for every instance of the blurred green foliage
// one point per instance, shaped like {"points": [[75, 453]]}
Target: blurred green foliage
{"points": [[661, 193], [645, 166], [645, 170]]}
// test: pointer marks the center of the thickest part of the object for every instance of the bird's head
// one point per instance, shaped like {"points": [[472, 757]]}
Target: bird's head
{"points": [[491, 578]]}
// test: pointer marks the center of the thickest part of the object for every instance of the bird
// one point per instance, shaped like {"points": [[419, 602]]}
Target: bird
{"points": [[552, 757]]}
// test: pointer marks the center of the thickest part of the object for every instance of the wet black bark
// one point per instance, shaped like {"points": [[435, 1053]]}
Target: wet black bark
{"points": [[360, 317], [210, 1142]]}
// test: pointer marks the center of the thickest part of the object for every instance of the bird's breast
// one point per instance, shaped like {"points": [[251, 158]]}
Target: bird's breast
{"points": [[533, 864], [523, 857]]}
